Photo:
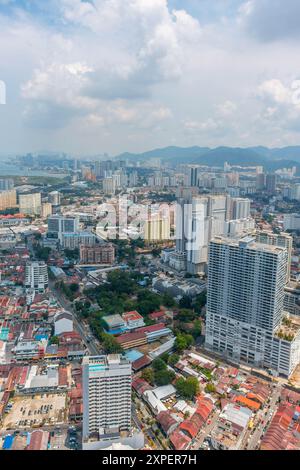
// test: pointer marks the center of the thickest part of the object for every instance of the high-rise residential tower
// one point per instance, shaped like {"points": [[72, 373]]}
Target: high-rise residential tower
{"points": [[36, 276], [245, 319], [106, 395]]}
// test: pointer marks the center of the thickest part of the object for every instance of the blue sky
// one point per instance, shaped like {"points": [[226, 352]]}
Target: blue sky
{"points": [[130, 75]]}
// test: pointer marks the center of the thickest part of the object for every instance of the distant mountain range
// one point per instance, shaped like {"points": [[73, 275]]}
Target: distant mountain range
{"points": [[271, 159]]}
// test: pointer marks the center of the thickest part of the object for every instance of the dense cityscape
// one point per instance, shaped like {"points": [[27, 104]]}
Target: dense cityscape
{"points": [[149, 232], [149, 305]]}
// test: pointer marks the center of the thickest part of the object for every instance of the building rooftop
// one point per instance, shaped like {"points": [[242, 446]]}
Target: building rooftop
{"points": [[248, 242], [113, 321], [288, 328]]}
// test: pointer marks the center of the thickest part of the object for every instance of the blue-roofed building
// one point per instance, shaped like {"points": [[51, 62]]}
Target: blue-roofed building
{"points": [[8, 442], [133, 355]]}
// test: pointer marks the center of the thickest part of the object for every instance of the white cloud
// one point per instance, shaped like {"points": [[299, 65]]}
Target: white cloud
{"points": [[145, 43], [119, 75], [227, 108], [271, 20]]}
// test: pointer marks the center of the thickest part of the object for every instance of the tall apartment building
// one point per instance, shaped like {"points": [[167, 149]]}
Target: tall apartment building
{"points": [[260, 181], [245, 320], [58, 224], [133, 179], [6, 184], [30, 204], [291, 221], [193, 176], [55, 198], [8, 199], [239, 208], [74, 240], [157, 228], [282, 239], [106, 395], [98, 254], [109, 185], [199, 219], [36, 276], [271, 181], [46, 209], [103, 167]]}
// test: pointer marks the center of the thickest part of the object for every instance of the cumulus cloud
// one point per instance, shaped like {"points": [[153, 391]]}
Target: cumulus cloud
{"points": [[147, 46], [107, 74], [280, 104]]}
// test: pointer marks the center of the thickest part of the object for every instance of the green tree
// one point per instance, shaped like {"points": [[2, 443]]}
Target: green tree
{"points": [[148, 375], [183, 341], [163, 377], [74, 287], [159, 365], [200, 302], [210, 388], [197, 329], [54, 340], [187, 388], [186, 315], [168, 301], [173, 359], [185, 302]]}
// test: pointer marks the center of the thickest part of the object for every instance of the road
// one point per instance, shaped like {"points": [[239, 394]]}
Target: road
{"points": [[266, 416], [205, 432], [147, 431], [92, 346]]}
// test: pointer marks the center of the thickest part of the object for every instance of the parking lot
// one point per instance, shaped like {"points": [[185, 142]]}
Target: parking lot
{"points": [[36, 411]]}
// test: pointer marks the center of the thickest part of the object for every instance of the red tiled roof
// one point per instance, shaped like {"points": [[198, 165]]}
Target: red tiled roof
{"points": [[38, 440], [179, 440], [156, 315], [166, 421], [130, 316], [141, 362]]}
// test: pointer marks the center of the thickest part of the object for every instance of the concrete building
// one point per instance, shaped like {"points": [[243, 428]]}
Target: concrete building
{"points": [[8, 199], [271, 182], [46, 209], [282, 239], [36, 276], [239, 208], [76, 239], [157, 228], [98, 254], [59, 225], [199, 219], [109, 185], [30, 204], [260, 181], [55, 198], [245, 320], [291, 221], [6, 184], [106, 395], [63, 323], [133, 320]]}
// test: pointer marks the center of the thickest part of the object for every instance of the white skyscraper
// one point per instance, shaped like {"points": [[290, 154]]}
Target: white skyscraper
{"points": [[245, 320], [36, 276], [106, 395]]}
